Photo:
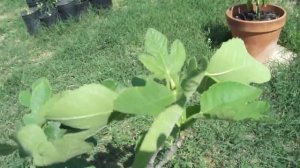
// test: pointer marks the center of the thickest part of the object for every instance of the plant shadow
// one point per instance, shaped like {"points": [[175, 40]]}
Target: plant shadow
{"points": [[216, 34], [114, 157], [78, 162]]}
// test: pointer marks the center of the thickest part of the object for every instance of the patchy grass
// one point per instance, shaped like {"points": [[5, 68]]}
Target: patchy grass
{"points": [[105, 44]]}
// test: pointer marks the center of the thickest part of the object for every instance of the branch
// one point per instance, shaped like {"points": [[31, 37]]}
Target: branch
{"points": [[152, 160], [171, 152]]}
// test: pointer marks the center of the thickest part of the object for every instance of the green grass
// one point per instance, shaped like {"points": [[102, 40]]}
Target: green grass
{"points": [[105, 44]]}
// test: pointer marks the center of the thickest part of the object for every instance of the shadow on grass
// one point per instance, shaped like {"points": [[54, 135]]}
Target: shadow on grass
{"points": [[78, 162], [114, 157], [216, 34]]}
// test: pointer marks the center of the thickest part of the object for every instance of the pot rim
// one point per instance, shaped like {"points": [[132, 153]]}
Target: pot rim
{"points": [[256, 22], [64, 2]]}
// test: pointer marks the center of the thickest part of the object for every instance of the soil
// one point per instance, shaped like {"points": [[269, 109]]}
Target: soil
{"points": [[251, 16]]}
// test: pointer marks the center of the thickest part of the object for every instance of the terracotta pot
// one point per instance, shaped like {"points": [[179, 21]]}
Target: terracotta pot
{"points": [[260, 37]]}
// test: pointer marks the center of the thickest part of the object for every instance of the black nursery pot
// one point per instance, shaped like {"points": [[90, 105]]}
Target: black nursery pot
{"points": [[81, 7], [32, 3], [66, 9], [48, 20], [101, 3], [31, 20]]}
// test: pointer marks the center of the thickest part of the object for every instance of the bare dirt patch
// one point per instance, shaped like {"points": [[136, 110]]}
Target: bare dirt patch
{"points": [[42, 57]]}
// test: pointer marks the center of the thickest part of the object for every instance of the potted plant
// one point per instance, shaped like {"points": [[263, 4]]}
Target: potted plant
{"points": [[259, 25], [49, 14], [66, 9], [31, 19]]}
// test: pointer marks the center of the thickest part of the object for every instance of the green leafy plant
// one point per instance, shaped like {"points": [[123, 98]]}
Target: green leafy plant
{"points": [[41, 134], [257, 6], [176, 93]]}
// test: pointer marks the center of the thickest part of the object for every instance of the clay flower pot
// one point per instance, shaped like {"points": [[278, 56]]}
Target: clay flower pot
{"points": [[260, 37]]}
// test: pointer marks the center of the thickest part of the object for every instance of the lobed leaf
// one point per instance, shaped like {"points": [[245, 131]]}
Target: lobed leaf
{"points": [[150, 99], [156, 57], [177, 57], [232, 62]]}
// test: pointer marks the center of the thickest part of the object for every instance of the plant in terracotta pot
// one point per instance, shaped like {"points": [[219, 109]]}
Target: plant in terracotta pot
{"points": [[259, 25]]}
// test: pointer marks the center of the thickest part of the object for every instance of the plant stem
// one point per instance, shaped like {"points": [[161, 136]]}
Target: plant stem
{"points": [[152, 160], [257, 10], [171, 152]]}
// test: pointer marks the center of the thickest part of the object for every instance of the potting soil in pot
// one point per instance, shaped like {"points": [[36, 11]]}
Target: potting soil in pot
{"points": [[251, 16]]}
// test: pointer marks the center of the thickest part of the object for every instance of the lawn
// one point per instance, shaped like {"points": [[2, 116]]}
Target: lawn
{"points": [[105, 44]]}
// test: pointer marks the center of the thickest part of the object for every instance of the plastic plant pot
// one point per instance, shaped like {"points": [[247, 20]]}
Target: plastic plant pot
{"points": [[32, 3], [66, 9], [31, 19], [81, 7], [101, 3], [49, 18]]}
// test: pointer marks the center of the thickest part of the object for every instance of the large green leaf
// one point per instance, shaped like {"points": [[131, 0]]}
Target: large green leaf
{"points": [[159, 131], [44, 152], [233, 101], [177, 57], [149, 100], [41, 92], [232, 62], [156, 58], [86, 107], [30, 137], [156, 43]]}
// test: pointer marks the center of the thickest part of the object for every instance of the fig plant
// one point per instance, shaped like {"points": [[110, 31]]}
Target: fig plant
{"points": [[59, 124]]}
